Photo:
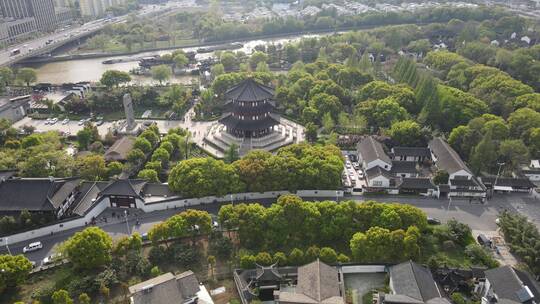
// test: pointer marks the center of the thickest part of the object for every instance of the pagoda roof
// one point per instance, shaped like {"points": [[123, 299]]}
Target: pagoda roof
{"points": [[248, 125], [234, 107], [250, 90]]}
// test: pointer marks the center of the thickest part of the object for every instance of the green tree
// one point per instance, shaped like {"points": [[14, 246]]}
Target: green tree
{"points": [[263, 259], [152, 137], [114, 168], [149, 175], [311, 132], [143, 144], [84, 138], [484, 155], [161, 73], [92, 167], [16, 269], [27, 75], [256, 58], [328, 255], [296, 257], [513, 153], [441, 177], [228, 60], [114, 78], [84, 298], [247, 261], [198, 177], [90, 248], [280, 258], [61, 296], [136, 156], [231, 155], [408, 133], [161, 155], [180, 60]]}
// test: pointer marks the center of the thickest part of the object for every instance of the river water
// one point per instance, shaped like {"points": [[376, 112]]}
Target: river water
{"points": [[92, 69]]}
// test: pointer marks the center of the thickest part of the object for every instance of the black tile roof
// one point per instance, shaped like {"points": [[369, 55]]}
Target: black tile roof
{"points": [[403, 167], [505, 283], [413, 280], [518, 182], [124, 187], [370, 149], [32, 194], [416, 183], [447, 158], [250, 90], [376, 171], [7, 174], [249, 125], [411, 151]]}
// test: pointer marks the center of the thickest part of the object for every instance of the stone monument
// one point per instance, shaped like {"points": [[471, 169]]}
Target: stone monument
{"points": [[130, 114], [130, 126]]}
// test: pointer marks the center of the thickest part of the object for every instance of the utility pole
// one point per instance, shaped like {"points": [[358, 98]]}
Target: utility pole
{"points": [[127, 224], [7, 246]]}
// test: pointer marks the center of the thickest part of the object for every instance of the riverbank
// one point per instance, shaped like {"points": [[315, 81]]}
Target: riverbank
{"points": [[201, 44]]}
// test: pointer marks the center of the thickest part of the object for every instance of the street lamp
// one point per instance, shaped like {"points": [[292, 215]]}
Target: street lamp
{"points": [[232, 200], [127, 224], [337, 196], [7, 246], [498, 173]]}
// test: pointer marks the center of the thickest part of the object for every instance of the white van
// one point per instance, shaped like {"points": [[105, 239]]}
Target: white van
{"points": [[32, 247]]}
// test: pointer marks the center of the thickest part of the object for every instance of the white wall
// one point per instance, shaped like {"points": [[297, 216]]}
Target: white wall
{"points": [[105, 203], [379, 163], [385, 181], [533, 177], [460, 173]]}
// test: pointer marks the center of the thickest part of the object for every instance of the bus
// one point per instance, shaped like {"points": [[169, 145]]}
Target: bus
{"points": [[15, 52]]}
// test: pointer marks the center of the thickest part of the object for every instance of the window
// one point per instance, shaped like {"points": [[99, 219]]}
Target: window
{"points": [[377, 183]]}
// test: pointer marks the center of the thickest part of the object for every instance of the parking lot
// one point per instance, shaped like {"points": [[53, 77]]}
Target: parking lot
{"points": [[353, 176]]}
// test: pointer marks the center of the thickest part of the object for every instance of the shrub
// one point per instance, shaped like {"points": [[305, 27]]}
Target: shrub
{"points": [[328, 255], [158, 255], [342, 258], [263, 259], [247, 261], [296, 257], [280, 258]]}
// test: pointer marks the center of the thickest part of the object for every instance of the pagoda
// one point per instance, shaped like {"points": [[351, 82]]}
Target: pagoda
{"points": [[250, 110], [250, 122]]}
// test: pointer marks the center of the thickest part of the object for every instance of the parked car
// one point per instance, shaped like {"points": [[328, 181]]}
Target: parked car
{"points": [[54, 120], [32, 247], [51, 259], [65, 121], [145, 237], [99, 122], [81, 122], [433, 221]]}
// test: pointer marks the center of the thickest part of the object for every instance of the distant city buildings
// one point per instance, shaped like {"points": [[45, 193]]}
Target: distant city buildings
{"points": [[21, 18], [96, 8]]}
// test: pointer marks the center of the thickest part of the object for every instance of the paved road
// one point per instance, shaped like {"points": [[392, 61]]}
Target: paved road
{"points": [[477, 216], [64, 36]]}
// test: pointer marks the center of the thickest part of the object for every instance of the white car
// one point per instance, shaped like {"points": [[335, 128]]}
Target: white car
{"points": [[51, 259], [54, 120], [81, 122], [32, 247], [65, 121]]}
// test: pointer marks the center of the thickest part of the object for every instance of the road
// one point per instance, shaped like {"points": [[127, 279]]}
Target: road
{"points": [[477, 216], [60, 37]]}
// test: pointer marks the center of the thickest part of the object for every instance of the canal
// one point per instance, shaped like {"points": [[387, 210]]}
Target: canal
{"points": [[91, 69]]}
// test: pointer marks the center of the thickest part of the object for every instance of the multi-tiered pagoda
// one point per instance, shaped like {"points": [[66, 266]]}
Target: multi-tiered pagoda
{"points": [[250, 110], [250, 122]]}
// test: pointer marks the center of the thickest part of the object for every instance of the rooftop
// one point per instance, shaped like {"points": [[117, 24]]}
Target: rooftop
{"points": [[250, 90], [413, 281], [447, 158], [411, 151], [165, 288], [370, 150]]}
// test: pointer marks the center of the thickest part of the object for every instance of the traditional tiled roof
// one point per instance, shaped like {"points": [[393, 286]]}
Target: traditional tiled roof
{"points": [[32, 194], [166, 288], [416, 183], [125, 187], [447, 158], [411, 151], [370, 150], [506, 284], [317, 283], [415, 281], [403, 167], [376, 171], [250, 90], [519, 182], [120, 149]]}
